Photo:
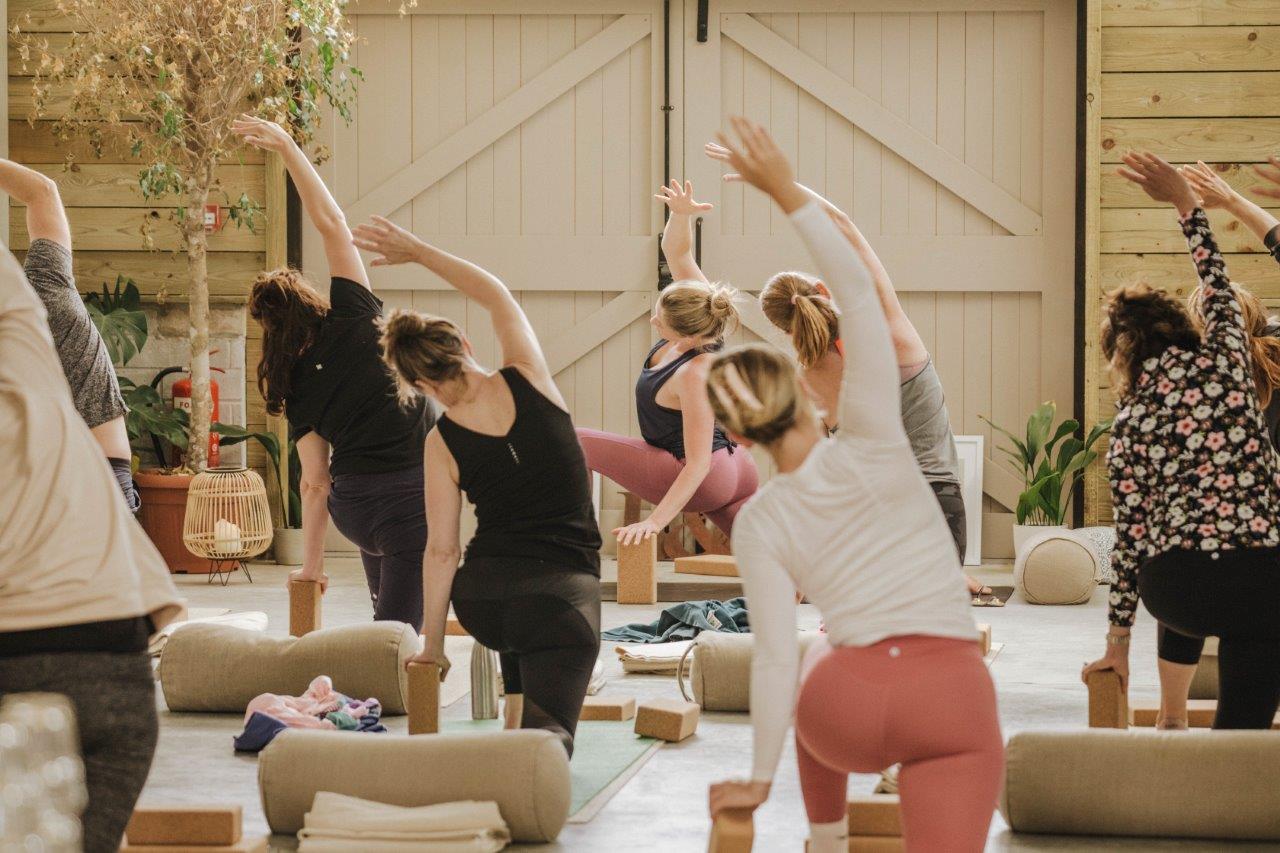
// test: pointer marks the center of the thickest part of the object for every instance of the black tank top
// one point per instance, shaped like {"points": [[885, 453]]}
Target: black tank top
{"points": [[660, 426], [530, 487]]}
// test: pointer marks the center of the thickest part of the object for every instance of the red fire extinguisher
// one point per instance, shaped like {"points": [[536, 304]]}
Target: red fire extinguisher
{"points": [[182, 400]]}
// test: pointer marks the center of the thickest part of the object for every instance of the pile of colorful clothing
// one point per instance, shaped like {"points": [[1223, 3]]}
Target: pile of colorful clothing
{"points": [[320, 707]]}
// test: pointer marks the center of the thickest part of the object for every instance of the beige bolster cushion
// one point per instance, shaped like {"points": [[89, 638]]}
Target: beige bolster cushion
{"points": [[720, 674], [1144, 783], [1055, 568], [217, 668], [526, 772]]}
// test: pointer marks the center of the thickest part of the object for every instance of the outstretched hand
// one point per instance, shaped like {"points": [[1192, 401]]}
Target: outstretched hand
{"points": [[1209, 185], [679, 199], [393, 244], [761, 163], [1159, 180], [261, 133], [716, 151], [1269, 173]]}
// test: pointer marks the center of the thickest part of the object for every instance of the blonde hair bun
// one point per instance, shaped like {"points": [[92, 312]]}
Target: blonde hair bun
{"points": [[696, 309]]}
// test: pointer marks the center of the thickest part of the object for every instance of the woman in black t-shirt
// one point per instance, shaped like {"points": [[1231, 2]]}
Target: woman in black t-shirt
{"points": [[361, 451], [529, 587]]}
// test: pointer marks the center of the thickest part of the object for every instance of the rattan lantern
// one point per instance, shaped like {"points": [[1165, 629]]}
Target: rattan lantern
{"points": [[228, 519]]}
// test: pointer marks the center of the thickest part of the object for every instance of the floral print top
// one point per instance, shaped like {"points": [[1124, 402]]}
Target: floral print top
{"points": [[1190, 464]]}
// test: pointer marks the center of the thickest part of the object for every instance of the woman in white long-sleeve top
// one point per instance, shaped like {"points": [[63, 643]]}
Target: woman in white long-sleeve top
{"points": [[850, 522]]}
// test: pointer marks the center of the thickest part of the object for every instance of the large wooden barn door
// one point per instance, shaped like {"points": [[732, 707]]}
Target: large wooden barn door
{"points": [[947, 129], [525, 136]]}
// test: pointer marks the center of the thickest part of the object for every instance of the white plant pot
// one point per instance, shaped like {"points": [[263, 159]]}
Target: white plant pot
{"points": [[288, 545], [1023, 533]]}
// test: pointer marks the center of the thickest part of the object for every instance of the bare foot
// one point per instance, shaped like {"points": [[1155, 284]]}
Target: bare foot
{"points": [[1171, 724], [976, 587]]}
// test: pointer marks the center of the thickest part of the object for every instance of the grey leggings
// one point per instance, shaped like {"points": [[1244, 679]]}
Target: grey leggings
{"points": [[114, 696]]}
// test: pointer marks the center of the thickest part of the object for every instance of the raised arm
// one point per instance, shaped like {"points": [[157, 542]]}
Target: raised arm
{"points": [[677, 236], [520, 347], [46, 218], [869, 389], [1215, 192], [319, 205], [908, 346]]}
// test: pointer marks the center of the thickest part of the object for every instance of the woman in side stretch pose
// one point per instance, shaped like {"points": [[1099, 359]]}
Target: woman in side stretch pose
{"points": [[851, 522], [800, 305], [81, 351], [1179, 654], [530, 585], [82, 589], [684, 462], [1193, 477], [361, 451]]}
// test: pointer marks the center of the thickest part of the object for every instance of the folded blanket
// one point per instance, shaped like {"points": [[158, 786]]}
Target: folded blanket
{"points": [[338, 823], [685, 621], [658, 658]]}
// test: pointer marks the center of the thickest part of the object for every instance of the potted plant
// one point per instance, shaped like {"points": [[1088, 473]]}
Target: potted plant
{"points": [[288, 537], [164, 82], [118, 315], [1052, 460]]}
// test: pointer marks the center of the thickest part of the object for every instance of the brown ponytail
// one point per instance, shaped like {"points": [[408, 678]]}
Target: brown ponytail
{"points": [[289, 310], [419, 347], [1264, 345], [1140, 323], [791, 301]]}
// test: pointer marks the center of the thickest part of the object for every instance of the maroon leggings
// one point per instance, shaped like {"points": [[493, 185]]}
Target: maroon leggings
{"points": [[648, 471]]}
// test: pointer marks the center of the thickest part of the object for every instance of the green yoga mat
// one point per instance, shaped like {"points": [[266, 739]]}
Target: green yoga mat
{"points": [[605, 755]]}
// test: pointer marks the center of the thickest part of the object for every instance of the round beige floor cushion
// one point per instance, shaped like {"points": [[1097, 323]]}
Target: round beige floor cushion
{"points": [[217, 668], [1056, 568], [720, 675], [1144, 783], [525, 772]]}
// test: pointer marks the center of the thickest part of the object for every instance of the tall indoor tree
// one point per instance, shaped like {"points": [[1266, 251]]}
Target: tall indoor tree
{"points": [[165, 81]]}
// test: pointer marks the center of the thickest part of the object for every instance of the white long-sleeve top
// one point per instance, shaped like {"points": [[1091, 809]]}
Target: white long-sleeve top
{"points": [[856, 527]]}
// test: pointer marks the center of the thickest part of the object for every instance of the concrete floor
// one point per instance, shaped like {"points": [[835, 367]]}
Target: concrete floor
{"points": [[663, 805]]}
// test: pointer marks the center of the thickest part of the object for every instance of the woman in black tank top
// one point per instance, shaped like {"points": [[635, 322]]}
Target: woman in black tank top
{"points": [[529, 585], [682, 462]]}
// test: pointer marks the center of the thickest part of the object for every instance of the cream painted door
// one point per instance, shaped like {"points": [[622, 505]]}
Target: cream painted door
{"points": [[947, 129], [526, 136]]}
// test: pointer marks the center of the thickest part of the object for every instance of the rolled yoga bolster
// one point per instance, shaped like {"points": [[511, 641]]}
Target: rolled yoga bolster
{"points": [[721, 671], [1150, 784], [526, 772], [220, 669]]}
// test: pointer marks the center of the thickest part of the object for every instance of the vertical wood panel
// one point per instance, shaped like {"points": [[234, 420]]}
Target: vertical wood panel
{"points": [[479, 89], [867, 68], [811, 125], [895, 95], [1006, 140], [783, 114], [507, 179], [643, 119], [922, 191], [840, 133], [425, 113], [979, 108], [731, 87], [451, 63], [757, 80], [951, 112]]}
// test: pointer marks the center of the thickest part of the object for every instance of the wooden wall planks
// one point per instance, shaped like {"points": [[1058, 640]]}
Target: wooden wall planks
{"points": [[1214, 66]]}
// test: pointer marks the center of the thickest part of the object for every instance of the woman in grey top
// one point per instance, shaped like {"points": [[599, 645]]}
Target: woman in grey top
{"points": [[85, 361], [801, 306]]}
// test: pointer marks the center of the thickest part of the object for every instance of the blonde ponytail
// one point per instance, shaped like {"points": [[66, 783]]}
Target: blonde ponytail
{"points": [[792, 303], [755, 393]]}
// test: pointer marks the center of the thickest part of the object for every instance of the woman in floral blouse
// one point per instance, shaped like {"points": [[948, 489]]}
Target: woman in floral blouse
{"points": [[1193, 475]]}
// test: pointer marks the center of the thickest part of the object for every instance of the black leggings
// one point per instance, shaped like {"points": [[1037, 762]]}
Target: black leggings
{"points": [[545, 626], [1234, 597], [385, 516]]}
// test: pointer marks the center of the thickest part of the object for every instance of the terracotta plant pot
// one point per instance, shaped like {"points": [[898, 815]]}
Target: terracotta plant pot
{"points": [[288, 546], [164, 506]]}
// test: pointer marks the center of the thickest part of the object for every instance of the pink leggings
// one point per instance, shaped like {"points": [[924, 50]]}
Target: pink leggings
{"points": [[927, 702], [648, 471]]}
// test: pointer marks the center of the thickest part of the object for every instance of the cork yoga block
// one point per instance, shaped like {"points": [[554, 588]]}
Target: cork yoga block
{"points": [[875, 815], [732, 832], [671, 720], [638, 572], [244, 845], [304, 607], [616, 708], [453, 628], [202, 825], [424, 698], [723, 565], [1108, 703], [984, 630]]}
